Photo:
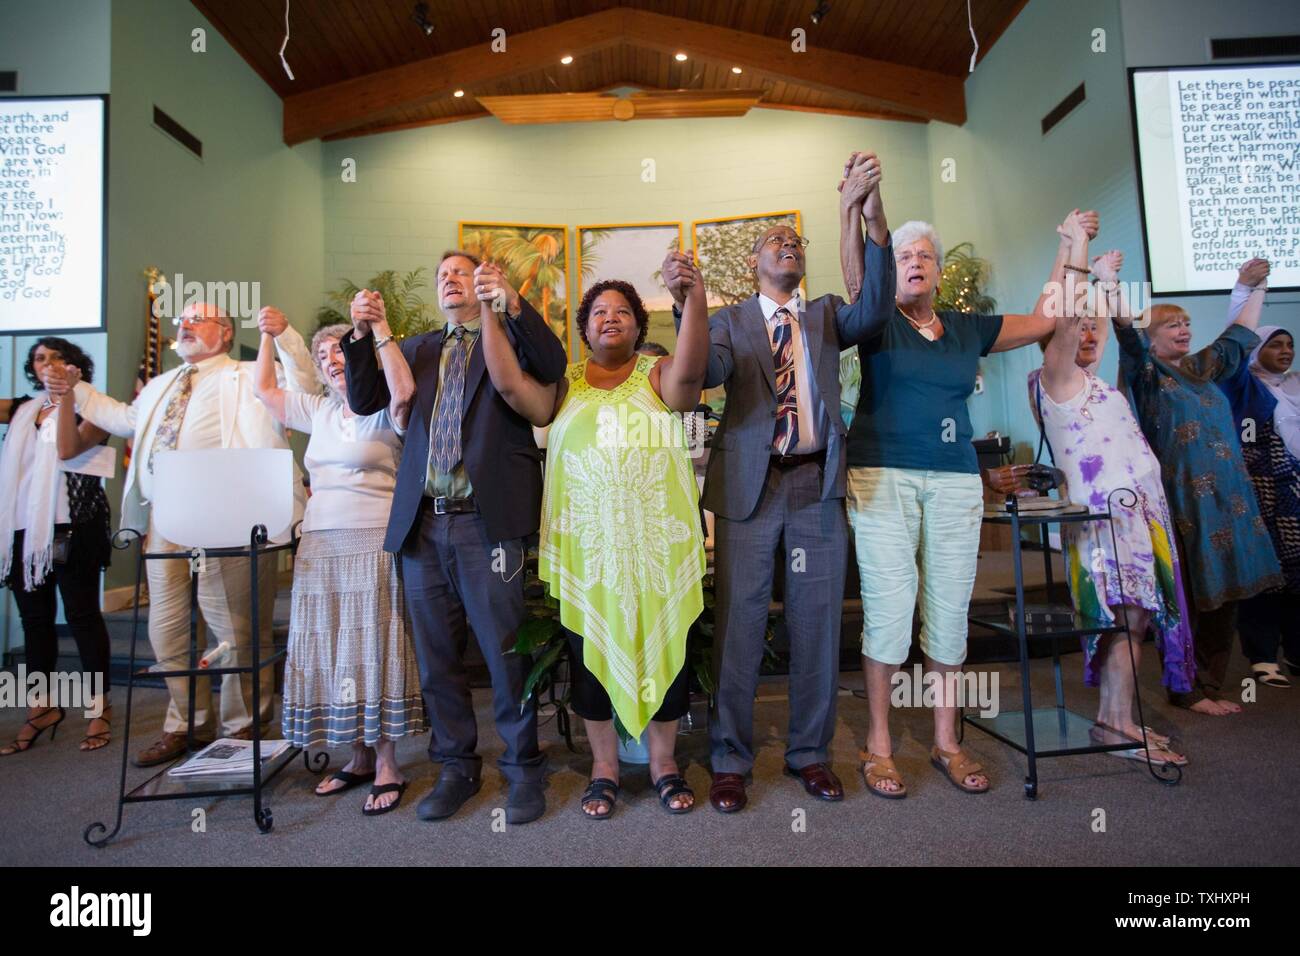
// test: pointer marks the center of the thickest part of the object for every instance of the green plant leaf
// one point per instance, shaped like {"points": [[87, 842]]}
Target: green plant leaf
{"points": [[541, 674], [534, 633]]}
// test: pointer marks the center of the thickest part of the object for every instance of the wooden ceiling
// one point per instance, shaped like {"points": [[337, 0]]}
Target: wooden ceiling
{"points": [[364, 66]]}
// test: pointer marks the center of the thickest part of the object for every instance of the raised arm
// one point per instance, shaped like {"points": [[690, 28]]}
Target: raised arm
{"points": [[721, 360], [265, 386], [110, 415], [1020, 330], [1247, 301], [368, 310], [679, 378], [1111, 303], [1062, 378], [867, 266], [367, 389], [72, 437], [527, 396], [299, 368]]}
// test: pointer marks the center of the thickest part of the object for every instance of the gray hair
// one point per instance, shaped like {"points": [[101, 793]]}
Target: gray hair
{"points": [[909, 232], [323, 334]]}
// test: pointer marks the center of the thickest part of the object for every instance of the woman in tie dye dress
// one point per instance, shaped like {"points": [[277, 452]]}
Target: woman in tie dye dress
{"points": [[1134, 577]]}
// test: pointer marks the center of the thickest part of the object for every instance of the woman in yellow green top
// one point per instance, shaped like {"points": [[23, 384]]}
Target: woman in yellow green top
{"points": [[621, 546]]}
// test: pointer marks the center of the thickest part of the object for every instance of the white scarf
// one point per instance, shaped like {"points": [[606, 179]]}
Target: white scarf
{"points": [[1285, 388], [42, 498]]}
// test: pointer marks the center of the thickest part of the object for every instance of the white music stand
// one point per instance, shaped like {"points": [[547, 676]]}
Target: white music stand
{"points": [[214, 497]]}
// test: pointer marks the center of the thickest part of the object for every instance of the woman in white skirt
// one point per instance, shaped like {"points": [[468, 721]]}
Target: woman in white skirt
{"points": [[351, 677]]}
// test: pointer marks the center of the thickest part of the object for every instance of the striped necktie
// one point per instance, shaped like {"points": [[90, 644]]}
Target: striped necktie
{"points": [[786, 434]]}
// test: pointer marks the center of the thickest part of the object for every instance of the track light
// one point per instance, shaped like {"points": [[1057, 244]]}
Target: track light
{"points": [[421, 17], [819, 14]]}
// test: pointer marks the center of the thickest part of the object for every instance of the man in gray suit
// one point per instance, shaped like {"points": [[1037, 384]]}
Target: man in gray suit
{"points": [[776, 484]]}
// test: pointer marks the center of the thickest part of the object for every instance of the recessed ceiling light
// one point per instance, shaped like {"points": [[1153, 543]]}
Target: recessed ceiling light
{"points": [[459, 93], [566, 59], [736, 69], [680, 57]]}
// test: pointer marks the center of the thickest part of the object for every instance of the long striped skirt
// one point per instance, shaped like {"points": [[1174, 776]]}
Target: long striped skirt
{"points": [[351, 673]]}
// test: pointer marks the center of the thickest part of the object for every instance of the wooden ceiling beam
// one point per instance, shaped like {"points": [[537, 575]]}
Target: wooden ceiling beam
{"points": [[365, 99], [906, 89]]}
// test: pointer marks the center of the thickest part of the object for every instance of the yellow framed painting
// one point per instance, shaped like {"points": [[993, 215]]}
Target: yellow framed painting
{"points": [[634, 252], [535, 258], [723, 245]]}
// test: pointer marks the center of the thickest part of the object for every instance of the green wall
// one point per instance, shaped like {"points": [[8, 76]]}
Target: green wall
{"points": [[413, 186]]}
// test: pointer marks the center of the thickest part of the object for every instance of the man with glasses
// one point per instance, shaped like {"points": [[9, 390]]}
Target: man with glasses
{"points": [[776, 484], [208, 402]]}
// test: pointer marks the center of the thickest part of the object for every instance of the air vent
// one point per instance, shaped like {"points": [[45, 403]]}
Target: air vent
{"points": [[1238, 48], [177, 132], [8, 81], [1064, 108]]}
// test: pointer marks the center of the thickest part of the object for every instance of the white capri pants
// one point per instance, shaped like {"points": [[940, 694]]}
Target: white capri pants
{"points": [[913, 530]]}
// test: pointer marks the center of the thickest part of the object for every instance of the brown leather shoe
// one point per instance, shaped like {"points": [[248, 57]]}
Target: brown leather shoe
{"points": [[727, 794], [165, 748], [819, 780]]}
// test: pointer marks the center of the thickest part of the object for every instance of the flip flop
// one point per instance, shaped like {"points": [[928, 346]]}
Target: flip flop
{"points": [[350, 780], [1157, 755], [1270, 674], [379, 791]]}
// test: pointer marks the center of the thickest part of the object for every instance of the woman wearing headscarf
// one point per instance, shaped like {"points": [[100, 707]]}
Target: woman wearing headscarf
{"points": [[1265, 397], [1223, 543], [54, 533]]}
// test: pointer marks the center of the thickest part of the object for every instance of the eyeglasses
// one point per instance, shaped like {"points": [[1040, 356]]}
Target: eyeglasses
{"points": [[778, 240], [191, 321], [903, 258]]}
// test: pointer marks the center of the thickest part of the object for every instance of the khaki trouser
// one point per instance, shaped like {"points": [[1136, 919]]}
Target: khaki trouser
{"points": [[224, 606]]}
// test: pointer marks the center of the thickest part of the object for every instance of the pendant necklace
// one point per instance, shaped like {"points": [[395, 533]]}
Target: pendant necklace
{"points": [[925, 329]]}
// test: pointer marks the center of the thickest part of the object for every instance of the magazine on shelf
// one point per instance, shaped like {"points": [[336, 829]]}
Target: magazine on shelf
{"points": [[227, 756]]}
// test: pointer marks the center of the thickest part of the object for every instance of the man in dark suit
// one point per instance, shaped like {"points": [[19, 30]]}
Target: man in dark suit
{"points": [[469, 492], [776, 483]]}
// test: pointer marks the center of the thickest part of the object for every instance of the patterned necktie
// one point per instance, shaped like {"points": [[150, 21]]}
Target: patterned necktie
{"points": [[169, 429], [786, 434], [444, 441]]}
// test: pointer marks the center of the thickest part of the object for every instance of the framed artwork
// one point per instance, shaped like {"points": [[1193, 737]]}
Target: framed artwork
{"points": [[535, 259], [635, 253], [723, 246]]}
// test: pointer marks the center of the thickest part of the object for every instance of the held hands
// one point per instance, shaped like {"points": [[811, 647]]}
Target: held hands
{"points": [[490, 285], [682, 277], [1107, 265], [368, 314], [1253, 272], [861, 178], [1079, 226], [271, 321], [59, 380]]}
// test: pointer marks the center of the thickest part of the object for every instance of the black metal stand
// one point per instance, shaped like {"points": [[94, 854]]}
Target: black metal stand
{"points": [[160, 786], [1056, 731]]}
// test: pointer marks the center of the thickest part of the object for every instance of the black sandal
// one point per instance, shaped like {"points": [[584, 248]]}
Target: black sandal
{"points": [[350, 780], [20, 746], [379, 791], [672, 785], [600, 790]]}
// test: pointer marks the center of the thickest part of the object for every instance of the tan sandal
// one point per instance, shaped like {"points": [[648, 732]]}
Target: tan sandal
{"points": [[956, 765], [876, 769]]}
